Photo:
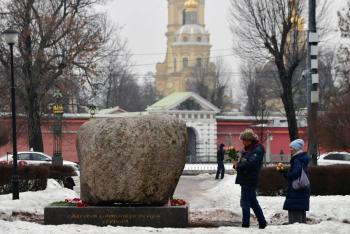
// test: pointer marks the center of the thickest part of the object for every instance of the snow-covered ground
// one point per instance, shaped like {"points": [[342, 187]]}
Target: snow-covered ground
{"points": [[210, 200]]}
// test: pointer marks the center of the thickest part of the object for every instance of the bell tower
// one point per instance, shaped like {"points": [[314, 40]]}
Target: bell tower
{"points": [[187, 45]]}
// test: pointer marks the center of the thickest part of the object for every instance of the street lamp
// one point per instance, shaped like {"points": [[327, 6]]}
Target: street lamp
{"points": [[268, 146], [57, 110], [11, 37], [92, 110]]}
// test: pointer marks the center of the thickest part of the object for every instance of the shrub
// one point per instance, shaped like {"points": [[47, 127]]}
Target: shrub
{"points": [[5, 174], [32, 172], [271, 183], [60, 172], [330, 180], [333, 127], [325, 180], [31, 178]]}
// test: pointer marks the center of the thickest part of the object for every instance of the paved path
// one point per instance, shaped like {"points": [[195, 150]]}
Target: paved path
{"points": [[192, 188], [203, 213], [186, 182], [201, 168], [184, 189]]}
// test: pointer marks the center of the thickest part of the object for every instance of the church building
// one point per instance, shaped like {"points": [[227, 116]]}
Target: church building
{"points": [[188, 46]]}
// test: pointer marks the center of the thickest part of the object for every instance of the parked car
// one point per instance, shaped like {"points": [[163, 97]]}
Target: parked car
{"points": [[334, 158], [36, 158]]}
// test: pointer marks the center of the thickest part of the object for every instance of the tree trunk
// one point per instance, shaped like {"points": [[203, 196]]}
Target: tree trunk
{"points": [[31, 82], [287, 99], [34, 124]]}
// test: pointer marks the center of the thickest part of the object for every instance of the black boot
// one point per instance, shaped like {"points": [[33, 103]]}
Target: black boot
{"points": [[262, 225]]}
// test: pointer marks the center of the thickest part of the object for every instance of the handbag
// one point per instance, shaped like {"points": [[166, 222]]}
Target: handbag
{"points": [[302, 182]]}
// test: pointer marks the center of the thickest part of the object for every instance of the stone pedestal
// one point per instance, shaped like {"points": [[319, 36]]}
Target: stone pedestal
{"points": [[158, 217]]}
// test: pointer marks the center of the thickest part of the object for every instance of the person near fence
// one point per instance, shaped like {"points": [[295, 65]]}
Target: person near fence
{"points": [[248, 170], [68, 182], [220, 160], [297, 200]]}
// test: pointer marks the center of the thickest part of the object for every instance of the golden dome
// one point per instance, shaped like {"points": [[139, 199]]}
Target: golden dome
{"points": [[191, 4], [297, 21]]}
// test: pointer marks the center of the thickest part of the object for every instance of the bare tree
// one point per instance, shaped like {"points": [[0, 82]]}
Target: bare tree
{"points": [[4, 134], [327, 83], [149, 93], [266, 76], [257, 95], [342, 56], [119, 86], [272, 31], [333, 128], [59, 40], [210, 81], [342, 69]]}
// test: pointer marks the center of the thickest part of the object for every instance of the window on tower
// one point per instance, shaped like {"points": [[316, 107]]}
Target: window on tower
{"points": [[191, 18], [199, 62], [184, 17], [185, 62], [174, 65]]}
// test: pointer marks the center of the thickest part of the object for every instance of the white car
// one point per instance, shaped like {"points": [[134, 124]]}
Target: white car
{"points": [[36, 158], [334, 158]]}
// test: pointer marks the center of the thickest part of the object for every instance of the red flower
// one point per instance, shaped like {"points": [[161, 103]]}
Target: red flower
{"points": [[77, 202], [177, 202]]}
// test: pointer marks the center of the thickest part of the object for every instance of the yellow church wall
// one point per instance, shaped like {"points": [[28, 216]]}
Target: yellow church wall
{"points": [[168, 79]]}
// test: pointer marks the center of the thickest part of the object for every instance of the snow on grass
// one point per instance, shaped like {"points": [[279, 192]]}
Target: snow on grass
{"points": [[225, 195], [214, 199], [34, 202], [19, 227]]}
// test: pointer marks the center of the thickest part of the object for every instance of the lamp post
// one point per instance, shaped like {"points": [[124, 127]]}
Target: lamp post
{"points": [[11, 37], [92, 110], [58, 111], [268, 147]]}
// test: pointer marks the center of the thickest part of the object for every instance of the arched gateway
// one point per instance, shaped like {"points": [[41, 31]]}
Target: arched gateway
{"points": [[192, 145], [199, 115]]}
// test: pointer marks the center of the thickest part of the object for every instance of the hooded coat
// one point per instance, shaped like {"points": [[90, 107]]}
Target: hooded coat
{"points": [[249, 166], [297, 199]]}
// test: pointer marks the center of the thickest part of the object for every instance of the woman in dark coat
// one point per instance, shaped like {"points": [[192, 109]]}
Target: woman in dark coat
{"points": [[297, 201]]}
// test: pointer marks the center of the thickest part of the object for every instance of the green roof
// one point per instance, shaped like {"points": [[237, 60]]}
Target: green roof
{"points": [[169, 100]]}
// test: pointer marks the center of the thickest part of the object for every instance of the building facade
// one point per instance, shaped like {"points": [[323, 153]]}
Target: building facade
{"points": [[206, 130], [199, 115], [188, 46]]}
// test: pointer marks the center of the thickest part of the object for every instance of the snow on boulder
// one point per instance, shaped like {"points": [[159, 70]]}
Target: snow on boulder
{"points": [[132, 160]]}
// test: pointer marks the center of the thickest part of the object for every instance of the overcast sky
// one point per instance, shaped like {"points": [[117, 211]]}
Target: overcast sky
{"points": [[144, 25]]}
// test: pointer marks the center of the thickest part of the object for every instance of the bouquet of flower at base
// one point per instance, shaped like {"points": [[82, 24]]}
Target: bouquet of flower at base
{"points": [[282, 168], [75, 202], [232, 153], [177, 202]]}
